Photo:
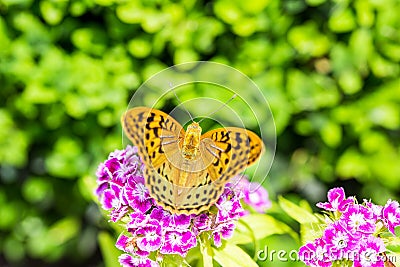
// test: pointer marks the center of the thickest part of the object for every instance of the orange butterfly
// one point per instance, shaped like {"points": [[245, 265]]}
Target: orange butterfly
{"points": [[185, 171]]}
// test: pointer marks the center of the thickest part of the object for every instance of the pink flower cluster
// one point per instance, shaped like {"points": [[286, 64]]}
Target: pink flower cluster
{"points": [[150, 231], [353, 235]]}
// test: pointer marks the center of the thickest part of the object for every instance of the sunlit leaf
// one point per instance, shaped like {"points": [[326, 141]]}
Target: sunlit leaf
{"points": [[296, 212], [108, 250], [224, 256]]}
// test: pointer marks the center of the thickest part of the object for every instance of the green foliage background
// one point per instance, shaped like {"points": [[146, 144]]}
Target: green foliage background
{"points": [[329, 69]]}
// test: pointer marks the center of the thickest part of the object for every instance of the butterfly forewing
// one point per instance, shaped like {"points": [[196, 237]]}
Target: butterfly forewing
{"points": [[179, 184], [149, 129]]}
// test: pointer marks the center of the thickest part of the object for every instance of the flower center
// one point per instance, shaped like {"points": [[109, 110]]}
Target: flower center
{"points": [[140, 191], [356, 220], [226, 207], [340, 241], [174, 239], [151, 236]]}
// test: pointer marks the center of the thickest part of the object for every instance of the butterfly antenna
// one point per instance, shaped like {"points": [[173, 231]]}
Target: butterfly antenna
{"points": [[187, 111], [218, 109]]}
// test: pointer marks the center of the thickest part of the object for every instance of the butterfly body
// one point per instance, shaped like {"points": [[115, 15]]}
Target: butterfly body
{"points": [[191, 143], [186, 171]]}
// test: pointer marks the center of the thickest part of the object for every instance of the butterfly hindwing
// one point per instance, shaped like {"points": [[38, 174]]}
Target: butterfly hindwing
{"points": [[179, 199]]}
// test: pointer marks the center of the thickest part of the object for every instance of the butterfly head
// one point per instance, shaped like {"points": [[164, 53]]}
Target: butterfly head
{"points": [[194, 126], [191, 141]]}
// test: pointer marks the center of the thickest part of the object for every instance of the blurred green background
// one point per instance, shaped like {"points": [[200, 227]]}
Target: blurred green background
{"points": [[329, 69]]}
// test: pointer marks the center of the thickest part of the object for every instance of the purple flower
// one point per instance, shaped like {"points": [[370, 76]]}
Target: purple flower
{"points": [[368, 255], [161, 215], [103, 176], [350, 236], [201, 223], [359, 219], [151, 231], [315, 254], [118, 213], [339, 242], [137, 195], [257, 197], [375, 209], [129, 245], [112, 197], [138, 219], [223, 230], [180, 221], [229, 206], [149, 236], [337, 200], [178, 242], [127, 260], [391, 215]]}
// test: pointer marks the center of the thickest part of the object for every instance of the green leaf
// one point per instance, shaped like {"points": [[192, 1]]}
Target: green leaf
{"points": [[393, 244], [342, 20], [315, 2], [261, 226], [311, 231], [206, 251], [139, 47], [108, 250], [63, 230], [232, 256], [331, 134], [298, 213]]}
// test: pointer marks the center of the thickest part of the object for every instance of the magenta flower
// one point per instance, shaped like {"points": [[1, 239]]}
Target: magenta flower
{"points": [[337, 200], [315, 254], [229, 208], [391, 215], [338, 241], [127, 260], [137, 195], [353, 237], [201, 223], [178, 242], [149, 237], [152, 232], [359, 219], [223, 230], [257, 197], [129, 245], [112, 197], [368, 254], [375, 209], [254, 194]]}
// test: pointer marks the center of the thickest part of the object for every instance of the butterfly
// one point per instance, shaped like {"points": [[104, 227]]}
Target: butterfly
{"points": [[186, 172]]}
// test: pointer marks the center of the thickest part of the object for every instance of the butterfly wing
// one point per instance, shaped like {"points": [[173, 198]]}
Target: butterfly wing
{"points": [[158, 138], [182, 186], [230, 150], [153, 132], [182, 199], [225, 152]]}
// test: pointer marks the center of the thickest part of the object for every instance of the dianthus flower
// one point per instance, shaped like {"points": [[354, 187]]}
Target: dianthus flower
{"points": [[152, 232], [353, 237]]}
